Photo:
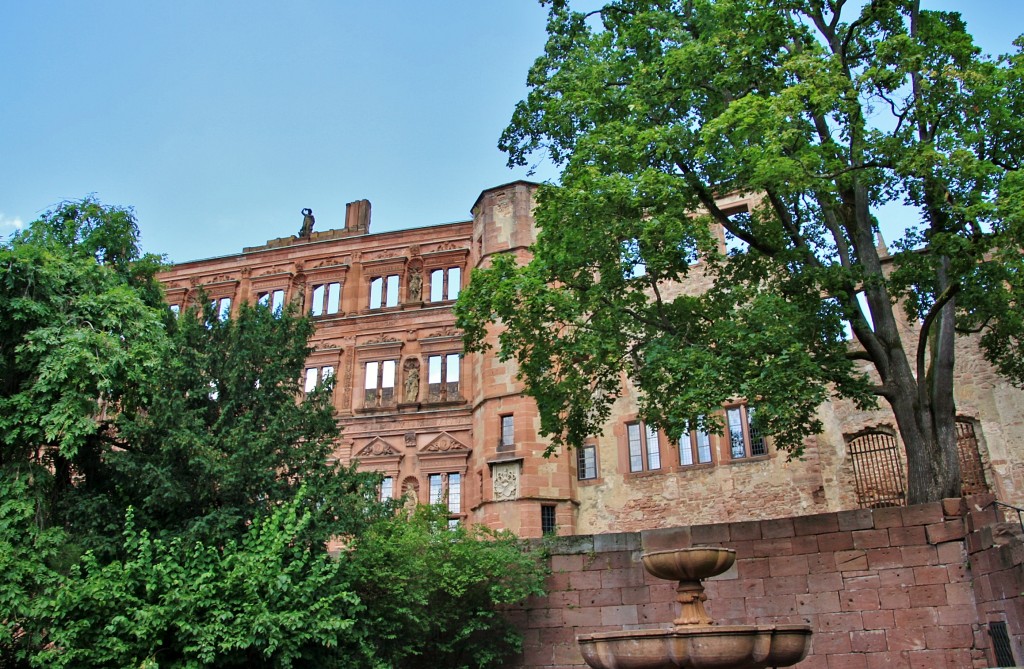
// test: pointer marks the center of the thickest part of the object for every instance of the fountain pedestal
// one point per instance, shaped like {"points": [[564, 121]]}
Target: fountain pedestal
{"points": [[695, 642]]}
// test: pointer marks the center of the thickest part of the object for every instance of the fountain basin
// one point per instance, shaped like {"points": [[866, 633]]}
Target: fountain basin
{"points": [[704, 647], [689, 564]]}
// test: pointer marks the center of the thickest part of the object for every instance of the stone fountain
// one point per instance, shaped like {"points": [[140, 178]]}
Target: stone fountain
{"points": [[695, 641]]}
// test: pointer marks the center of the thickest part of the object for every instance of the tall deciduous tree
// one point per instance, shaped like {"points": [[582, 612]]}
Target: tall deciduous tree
{"points": [[827, 111]]}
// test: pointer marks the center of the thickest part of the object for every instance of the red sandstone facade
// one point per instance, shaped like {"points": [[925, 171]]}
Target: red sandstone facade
{"points": [[440, 425], [933, 586]]}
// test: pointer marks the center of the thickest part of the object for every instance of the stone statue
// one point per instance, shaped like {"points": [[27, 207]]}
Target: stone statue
{"points": [[415, 286], [412, 382], [307, 223]]}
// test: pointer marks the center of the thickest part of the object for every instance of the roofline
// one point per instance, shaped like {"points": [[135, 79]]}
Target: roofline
{"points": [[525, 182]]}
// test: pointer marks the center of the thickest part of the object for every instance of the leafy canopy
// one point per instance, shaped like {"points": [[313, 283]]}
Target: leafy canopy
{"points": [[666, 114]]}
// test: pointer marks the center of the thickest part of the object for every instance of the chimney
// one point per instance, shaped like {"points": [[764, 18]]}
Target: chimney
{"points": [[357, 217]]}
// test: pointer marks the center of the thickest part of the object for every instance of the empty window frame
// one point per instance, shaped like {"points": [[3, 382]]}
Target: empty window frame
{"points": [[316, 376], [443, 373], [175, 309], [326, 299], [695, 448], [379, 385], [586, 462], [744, 440], [446, 489], [644, 447], [445, 284], [221, 308], [507, 441], [271, 299], [387, 488], [384, 291], [547, 519]]}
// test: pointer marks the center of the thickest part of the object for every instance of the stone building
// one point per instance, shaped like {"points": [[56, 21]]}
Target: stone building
{"points": [[449, 427]]}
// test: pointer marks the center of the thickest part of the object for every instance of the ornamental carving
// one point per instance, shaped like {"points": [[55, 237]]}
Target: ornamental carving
{"points": [[270, 271], [330, 262], [506, 481], [377, 447], [445, 443], [222, 278], [382, 255], [444, 332], [380, 339], [446, 246]]}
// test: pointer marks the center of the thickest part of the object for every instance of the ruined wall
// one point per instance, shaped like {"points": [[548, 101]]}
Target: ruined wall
{"points": [[903, 588]]}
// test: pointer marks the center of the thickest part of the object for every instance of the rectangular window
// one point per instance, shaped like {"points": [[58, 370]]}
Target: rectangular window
{"points": [[644, 447], [387, 488], [653, 449], [446, 489], [273, 300], [384, 291], [586, 463], [326, 299], [443, 372], [508, 434], [744, 440], [379, 384], [547, 518], [445, 284], [221, 308], [175, 309], [695, 448], [636, 458], [317, 375]]}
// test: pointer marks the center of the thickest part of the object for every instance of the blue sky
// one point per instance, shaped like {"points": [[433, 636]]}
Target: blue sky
{"points": [[219, 120]]}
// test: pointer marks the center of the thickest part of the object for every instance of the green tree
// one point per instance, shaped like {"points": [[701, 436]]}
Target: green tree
{"points": [[432, 593], [81, 322], [222, 439], [824, 109], [269, 599]]}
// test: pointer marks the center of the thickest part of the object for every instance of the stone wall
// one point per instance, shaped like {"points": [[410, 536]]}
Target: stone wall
{"points": [[902, 588]]}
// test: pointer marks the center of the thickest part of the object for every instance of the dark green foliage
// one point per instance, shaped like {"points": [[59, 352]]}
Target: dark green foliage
{"points": [[223, 439], [166, 494], [431, 592], [267, 600], [656, 109]]}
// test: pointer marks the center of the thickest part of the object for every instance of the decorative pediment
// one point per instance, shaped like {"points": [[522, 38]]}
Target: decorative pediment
{"points": [[377, 448], [443, 332], [379, 339], [445, 443]]}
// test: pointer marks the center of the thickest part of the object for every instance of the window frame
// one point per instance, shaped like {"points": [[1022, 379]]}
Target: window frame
{"points": [[447, 289], [319, 375], [754, 446], [387, 287], [446, 494], [691, 444], [643, 453], [448, 390], [379, 399], [506, 428], [587, 471]]}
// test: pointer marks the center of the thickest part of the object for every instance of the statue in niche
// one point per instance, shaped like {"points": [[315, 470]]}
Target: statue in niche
{"points": [[415, 286], [412, 381], [307, 223]]}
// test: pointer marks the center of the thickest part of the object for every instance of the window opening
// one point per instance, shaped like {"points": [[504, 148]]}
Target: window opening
{"points": [[547, 518], [175, 309], [316, 376], [273, 300], [384, 291], [695, 448], [443, 373], [326, 299], [972, 473], [744, 440], [586, 463], [878, 474], [445, 284], [1001, 644], [379, 383], [644, 447], [446, 489], [508, 434], [387, 488], [222, 308]]}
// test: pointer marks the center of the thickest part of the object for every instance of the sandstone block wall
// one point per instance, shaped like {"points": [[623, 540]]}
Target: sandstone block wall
{"points": [[901, 588]]}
